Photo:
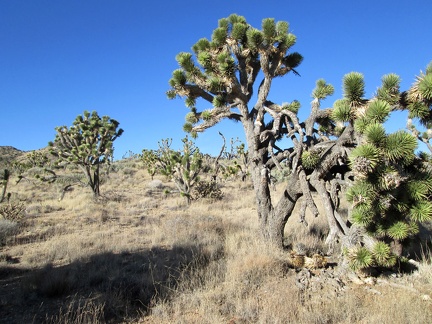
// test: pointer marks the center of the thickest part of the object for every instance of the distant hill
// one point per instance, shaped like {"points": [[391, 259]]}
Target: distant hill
{"points": [[8, 154]]}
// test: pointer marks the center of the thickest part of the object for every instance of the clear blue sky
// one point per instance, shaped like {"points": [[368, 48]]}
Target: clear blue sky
{"points": [[59, 58]]}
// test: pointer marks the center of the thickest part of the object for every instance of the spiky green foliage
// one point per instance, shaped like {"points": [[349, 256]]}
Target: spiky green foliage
{"points": [[362, 193], [425, 86], [310, 159], [183, 166], [342, 111], [382, 255], [379, 255], [419, 98], [353, 87], [149, 159], [293, 106], [88, 143], [389, 90], [375, 134], [360, 258], [364, 159], [322, 90], [220, 69], [400, 147], [206, 115], [378, 111], [392, 191]]}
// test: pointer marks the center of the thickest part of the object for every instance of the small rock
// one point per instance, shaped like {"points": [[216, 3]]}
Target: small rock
{"points": [[426, 297], [155, 184]]}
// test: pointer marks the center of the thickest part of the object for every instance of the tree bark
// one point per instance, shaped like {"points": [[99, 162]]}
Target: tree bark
{"points": [[273, 219]]}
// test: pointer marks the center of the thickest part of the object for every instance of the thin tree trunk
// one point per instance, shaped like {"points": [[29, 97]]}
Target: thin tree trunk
{"points": [[5, 183], [334, 228], [96, 181]]}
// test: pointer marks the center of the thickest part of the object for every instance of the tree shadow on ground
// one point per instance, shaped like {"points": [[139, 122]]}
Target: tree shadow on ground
{"points": [[106, 287]]}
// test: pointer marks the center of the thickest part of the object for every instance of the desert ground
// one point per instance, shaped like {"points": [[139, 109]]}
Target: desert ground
{"points": [[141, 254]]}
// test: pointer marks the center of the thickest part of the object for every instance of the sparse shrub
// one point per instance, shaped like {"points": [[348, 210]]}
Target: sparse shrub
{"points": [[129, 171], [8, 228], [207, 189], [12, 212]]}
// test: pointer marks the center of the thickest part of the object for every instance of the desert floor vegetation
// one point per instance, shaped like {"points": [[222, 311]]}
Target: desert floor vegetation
{"points": [[141, 254]]}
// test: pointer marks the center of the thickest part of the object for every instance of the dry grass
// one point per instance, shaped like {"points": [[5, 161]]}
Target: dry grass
{"points": [[140, 254]]}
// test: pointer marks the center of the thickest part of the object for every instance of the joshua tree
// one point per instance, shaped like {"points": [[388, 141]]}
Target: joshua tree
{"points": [[88, 143], [150, 159], [393, 188], [183, 167], [224, 72]]}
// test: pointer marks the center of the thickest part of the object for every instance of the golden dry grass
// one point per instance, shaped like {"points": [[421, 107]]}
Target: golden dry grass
{"points": [[140, 254]]}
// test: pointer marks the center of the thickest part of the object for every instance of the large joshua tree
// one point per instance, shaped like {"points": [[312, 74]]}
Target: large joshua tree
{"points": [[88, 144], [234, 72]]}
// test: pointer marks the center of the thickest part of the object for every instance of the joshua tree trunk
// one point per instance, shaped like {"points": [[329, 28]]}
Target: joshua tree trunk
{"points": [[4, 183], [96, 181], [93, 180], [274, 218]]}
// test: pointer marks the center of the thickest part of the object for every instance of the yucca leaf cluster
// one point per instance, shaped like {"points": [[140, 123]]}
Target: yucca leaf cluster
{"points": [[379, 255], [419, 103], [419, 97]]}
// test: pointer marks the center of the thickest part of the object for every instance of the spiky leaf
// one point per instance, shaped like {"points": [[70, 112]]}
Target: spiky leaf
{"points": [[310, 160], [341, 111], [389, 91], [360, 258], [364, 158], [254, 39], [362, 192], [269, 29], [294, 59], [294, 106], [400, 146], [381, 253], [219, 36], [322, 90], [362, 214], [375, 134], [202, 45], [353, 86], [398, 231], [206, 115], [378, 111], [425, 86], [421, 211], [239, 31]]}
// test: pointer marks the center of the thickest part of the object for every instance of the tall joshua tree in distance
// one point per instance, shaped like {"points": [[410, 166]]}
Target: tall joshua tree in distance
{"points": [[88, 144], [233, 72]]}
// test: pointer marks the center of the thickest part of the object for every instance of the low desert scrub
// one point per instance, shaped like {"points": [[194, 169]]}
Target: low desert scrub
{"points": [[8, 228]]}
